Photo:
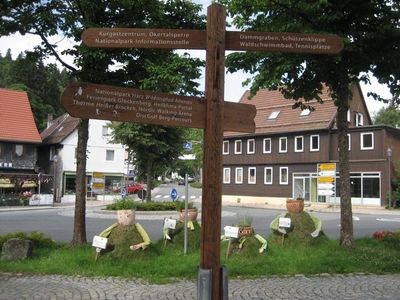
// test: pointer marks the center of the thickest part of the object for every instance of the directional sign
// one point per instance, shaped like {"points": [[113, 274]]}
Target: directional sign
{"points": [[326, 179], [326, 186], [327, 167], [326, 193], [104, 102], [284, 42], [326, 173], [144, 38], [174, 194]]}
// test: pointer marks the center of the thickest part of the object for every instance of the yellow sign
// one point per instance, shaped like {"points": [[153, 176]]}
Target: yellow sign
{"points": [[327, 167], [98, 175], [98, 185], [325, 179]]}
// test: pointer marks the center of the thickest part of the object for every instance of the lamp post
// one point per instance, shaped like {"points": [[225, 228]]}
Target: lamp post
{"points": [[55, 159], [389, 156]]}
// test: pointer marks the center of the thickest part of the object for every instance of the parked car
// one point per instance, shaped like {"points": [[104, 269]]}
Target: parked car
{"points": [[133, 188]]}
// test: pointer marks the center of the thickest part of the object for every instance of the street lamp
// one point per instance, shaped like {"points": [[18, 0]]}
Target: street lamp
{"points": [[389, 155], [55, 159]]}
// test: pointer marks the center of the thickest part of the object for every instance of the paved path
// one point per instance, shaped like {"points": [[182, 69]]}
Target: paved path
{"points": [[352, 286]]}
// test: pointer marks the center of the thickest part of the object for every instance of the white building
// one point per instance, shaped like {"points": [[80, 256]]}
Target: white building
{"points": [[104, 159]]}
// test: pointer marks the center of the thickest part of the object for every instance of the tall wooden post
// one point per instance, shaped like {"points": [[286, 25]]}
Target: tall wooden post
{"points": [[213, 137]]}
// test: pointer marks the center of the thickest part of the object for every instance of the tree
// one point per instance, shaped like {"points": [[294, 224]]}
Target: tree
{"points": [[388, 116], [69, 18], [370, 30]]}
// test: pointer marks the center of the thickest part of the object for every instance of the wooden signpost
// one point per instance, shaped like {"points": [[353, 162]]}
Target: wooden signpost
{"points": [[87, 100]]}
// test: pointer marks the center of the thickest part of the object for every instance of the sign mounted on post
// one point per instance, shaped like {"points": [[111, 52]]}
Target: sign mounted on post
{"points": [[105, 102], [326, 182]]}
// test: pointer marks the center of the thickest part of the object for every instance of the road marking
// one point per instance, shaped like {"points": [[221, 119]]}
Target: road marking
{"points": [[389, 220], [166, 196], [192, 197], [157, 196], [356, 218]]}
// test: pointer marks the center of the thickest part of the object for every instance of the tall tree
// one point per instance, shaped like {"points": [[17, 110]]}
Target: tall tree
{"points": [[69, 18], [388, 116], [370, 30]]}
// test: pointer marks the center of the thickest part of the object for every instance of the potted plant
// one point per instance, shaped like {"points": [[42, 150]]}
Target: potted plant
{"points": [[125, 211], [295, 205], [192, 211], [245, 226]]}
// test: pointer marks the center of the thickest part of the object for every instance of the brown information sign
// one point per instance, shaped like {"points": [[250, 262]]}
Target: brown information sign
{"points": [[144, 38], [284, 42], [94, 101]]}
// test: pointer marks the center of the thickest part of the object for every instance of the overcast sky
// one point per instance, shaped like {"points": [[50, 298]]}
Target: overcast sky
{"points": [[233, 82]]}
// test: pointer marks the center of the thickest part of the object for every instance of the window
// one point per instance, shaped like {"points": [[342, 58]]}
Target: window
{"points": [[268, 175], [273, 115], [239, 175], [349, 141], [283, 175], [314, 143], [305, 112], [251, 146], [298, 144], [359, 119], [349, 116], [251, 176], [52, 153], [367, 141], [225, 147], [227, 175], [283, 144], [267, 145], [238, 147], [19, 150], [110, 155], [105, 130]]}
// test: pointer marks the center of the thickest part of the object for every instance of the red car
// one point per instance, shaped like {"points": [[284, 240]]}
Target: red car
{"points": [[133, 188]]}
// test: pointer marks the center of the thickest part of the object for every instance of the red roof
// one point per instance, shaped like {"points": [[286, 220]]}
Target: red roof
{"points": [[16, 118], [288, 119]]}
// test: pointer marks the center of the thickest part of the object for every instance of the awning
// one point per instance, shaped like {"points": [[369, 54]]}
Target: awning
{"points": [[29, 184], [6, 183]]}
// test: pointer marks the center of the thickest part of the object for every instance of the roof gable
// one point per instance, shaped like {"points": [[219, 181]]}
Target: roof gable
{"points": [[16, 118], [288, 120], [59, 129]]}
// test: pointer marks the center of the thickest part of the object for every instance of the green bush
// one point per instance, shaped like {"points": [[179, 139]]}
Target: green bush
{"points": [[196, 185], [9, 200], [38, 239], [142, 206]]}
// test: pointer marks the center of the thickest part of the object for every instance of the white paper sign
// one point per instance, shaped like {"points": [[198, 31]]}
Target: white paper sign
{"points": [[169, 223], [99, 242], [231, 231], [284, 222]]}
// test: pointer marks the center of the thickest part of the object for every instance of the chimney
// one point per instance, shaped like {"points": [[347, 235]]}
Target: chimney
{"points": [[49, 120]]}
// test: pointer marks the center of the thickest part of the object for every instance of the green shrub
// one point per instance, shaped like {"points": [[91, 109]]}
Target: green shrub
{"points": [[39, 239], [181, 205], [9, 200], [196, 185], [122, 204], [142, 206]]}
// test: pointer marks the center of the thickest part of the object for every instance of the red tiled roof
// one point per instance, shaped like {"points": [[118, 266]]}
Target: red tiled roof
{"points": [[288, 120], [16, 118], [59, 129]]}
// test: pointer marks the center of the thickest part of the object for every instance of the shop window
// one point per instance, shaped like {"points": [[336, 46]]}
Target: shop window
{"points": [[371, 188]]}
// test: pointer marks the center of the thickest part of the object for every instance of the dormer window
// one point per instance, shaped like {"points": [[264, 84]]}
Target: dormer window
{"points": [[305, 112], [273, 115]]}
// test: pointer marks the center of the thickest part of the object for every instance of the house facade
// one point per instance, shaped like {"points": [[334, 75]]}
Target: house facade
{"points": [[19, 139], [58, 156], [280, 160]]}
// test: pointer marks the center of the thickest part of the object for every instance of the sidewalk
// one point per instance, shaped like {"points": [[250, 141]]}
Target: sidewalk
{"points": [[323, 286]]}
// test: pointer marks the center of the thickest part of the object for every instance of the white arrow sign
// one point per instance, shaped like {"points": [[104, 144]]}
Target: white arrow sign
{"points": [[325, 193], [326, 186], [326, 173]]}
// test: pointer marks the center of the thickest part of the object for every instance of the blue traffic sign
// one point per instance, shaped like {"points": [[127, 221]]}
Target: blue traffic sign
{"points": [[123, 192], [187, 145], [174, 194]]}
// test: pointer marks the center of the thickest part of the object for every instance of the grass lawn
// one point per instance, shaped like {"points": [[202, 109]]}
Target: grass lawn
{"points": [[161, 264]]}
